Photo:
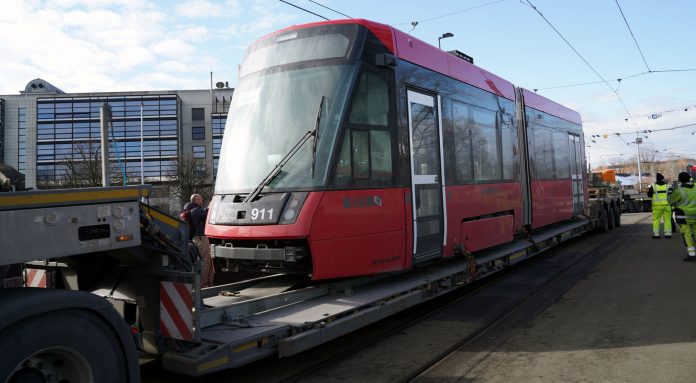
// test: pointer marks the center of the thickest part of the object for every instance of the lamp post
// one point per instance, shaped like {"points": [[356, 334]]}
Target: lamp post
{"points": [[444, 36], [640, 175], [142, 157]]}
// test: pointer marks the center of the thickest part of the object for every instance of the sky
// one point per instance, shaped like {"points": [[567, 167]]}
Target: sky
{"points": [[549, 46]]}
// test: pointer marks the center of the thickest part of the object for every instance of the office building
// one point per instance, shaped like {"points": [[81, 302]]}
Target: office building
{"points": [[43, 129]]}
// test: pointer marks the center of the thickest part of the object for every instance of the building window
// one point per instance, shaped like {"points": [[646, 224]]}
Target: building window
{"points": [[22, 140], [64, 125], [197, 114], [199, 152], [198, 133], [218, 121], [200, 171]]}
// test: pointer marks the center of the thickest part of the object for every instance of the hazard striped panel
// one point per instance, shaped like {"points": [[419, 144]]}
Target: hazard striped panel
{"points": [[35, 278], [176, 315]]}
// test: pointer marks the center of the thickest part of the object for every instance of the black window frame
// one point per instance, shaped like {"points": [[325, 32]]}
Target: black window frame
{"points": [[197, 114], [198, 133], [346, 132]]}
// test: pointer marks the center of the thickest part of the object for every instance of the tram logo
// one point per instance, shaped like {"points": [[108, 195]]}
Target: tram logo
{"points": [[362, 201]]}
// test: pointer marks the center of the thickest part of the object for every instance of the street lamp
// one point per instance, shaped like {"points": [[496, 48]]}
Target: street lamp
{"points": [[444, 36]]}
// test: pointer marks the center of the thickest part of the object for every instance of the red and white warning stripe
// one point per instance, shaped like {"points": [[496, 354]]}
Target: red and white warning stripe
{"points": [[176, 316], [35, 278]]}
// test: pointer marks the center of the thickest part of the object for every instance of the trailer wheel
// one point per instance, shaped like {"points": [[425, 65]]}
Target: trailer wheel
{"points": [[62, 346], [603, 222], [610, 217], [617, 217]]}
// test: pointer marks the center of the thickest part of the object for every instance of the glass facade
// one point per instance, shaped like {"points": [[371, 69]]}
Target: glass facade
{"points": [[22, 140], [68, 131], [2, 131], [219, 121]]}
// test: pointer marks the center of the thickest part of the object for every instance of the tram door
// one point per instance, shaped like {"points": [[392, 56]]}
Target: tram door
{"points": [[576, 171], [427, 188]]}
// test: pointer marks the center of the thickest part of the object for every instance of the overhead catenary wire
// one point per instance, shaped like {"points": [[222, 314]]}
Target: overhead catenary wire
{"points": [[659, 130], [633, 36], [584, 60], [306, 10], [450, 13], [330, 9], [618, 79]]}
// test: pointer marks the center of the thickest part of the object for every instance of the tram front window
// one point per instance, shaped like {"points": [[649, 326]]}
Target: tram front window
{"points": [[275, 104]]}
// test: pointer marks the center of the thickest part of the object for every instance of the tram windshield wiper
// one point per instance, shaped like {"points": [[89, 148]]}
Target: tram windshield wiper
{"points": [[276, 170], [316, 133]]}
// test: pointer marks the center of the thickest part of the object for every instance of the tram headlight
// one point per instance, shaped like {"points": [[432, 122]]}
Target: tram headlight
{"points": [[292, 208]]}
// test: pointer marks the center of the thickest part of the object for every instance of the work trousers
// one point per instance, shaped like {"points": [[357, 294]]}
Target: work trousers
{"points": [[689, 233], [665, 213], [207, 267]]}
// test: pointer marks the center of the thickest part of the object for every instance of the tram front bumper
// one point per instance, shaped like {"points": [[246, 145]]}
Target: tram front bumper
{"points": [[286, 254]]}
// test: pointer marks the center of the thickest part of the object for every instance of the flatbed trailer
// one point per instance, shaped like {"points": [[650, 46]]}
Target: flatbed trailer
{"points": [[123, 283]]}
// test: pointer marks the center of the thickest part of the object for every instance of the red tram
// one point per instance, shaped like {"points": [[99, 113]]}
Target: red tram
{"points": [[353, 149]]}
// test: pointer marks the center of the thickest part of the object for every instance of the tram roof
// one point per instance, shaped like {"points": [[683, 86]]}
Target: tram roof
{"points": [[418, 52]]}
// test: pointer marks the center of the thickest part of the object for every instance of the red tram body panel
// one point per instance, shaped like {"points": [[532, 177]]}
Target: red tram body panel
{"points": [[352, 148], [361, 230]]}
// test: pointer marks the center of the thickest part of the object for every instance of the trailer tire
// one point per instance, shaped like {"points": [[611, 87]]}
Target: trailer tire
{"points": [[603, 221], [610, 217], [66, 345]]}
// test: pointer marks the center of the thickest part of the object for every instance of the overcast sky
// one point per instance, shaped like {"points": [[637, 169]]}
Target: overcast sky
{"points": [[119, 45]]}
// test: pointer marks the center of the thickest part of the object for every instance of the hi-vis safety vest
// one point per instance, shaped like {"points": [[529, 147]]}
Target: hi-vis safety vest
{"points": [[684, 199], [659, 197]]}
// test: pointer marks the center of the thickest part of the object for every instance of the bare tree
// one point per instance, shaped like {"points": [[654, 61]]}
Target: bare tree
{"points": [[616, 163], [82, 168], [190, 175]]}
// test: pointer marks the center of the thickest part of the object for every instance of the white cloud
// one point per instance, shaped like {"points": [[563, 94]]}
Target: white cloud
{"points": [[173, 48], [200, 9], [195, 34], [173, 66], [133, 56], [96, 45]]}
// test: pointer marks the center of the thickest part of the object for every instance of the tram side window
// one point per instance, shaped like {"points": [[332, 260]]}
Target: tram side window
{"points": [[543, 152], [366, 152], [365, 155], [361, 154], [561, 153], [371, 102], [463, 169], [509, 137], [485, 145]]}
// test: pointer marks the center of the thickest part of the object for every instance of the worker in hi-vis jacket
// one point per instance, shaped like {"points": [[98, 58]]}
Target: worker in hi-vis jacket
{"points": [[660, 207]]}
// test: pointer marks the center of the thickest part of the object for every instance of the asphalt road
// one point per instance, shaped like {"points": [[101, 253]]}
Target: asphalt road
{"points": [[632, 319]]}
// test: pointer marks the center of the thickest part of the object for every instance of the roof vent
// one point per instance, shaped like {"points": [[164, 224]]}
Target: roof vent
{"points": [[462, 56]]}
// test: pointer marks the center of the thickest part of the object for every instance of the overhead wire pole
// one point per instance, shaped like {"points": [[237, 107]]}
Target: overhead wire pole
{"points": [[142, 157], [640, 174], [638, 139]]}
